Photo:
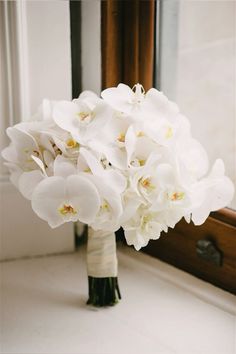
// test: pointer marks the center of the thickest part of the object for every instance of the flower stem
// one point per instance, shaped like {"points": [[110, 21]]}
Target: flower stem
{"points": [[103, 291]]}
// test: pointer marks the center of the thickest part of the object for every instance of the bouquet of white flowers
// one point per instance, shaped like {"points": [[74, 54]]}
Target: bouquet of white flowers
{"points": [[126, 160]]}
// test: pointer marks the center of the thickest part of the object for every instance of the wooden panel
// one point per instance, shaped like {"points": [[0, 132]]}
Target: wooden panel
{"points": [[111, 42], [127, 42], [226, 215], [146, 43], [131, 43], [178, 248]]}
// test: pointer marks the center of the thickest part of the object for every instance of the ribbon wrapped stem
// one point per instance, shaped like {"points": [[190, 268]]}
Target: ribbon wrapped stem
{"points": [[102, 268]]}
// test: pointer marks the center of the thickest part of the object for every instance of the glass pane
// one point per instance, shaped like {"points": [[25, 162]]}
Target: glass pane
{"points": [[197, 56]]}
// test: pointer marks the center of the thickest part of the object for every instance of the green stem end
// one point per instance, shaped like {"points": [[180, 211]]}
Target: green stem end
{"points": [[103, 291]]}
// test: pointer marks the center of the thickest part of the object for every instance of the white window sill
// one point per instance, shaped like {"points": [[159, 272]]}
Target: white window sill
{"points": [[163, 309]]}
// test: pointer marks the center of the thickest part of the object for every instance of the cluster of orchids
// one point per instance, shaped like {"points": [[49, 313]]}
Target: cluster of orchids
{"points": [[125, 159]]}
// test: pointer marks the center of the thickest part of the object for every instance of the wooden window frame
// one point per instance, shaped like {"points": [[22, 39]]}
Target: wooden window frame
{"points": [[127, 40]]}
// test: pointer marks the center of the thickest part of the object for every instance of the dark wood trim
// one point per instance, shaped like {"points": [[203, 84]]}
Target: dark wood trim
{"points": [[75, 30], [226, 215], [127, 42], [178, 248], [111, 43]]}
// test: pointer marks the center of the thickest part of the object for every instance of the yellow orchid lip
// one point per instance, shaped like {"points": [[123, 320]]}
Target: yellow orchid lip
{"points": [[67, 209], [121, 138], [105, 206], [140, 134], [138, 162], [71, 143], [142, 162], [169, 133]]}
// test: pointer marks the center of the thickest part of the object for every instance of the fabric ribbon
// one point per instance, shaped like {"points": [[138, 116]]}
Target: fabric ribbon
{"points": [[101, 254]]}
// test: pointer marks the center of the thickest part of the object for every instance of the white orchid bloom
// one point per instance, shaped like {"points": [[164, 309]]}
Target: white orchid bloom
{"points": [[135, 102], [111, 177], [191, 158], [28, 181], [53, 139], [58, 200], [108, 216], [111, 141], [110, 184], [211, 193], [21, 149], [84, 117], [123, 99], [172, 194], [61, 166], [25, 158], [131, 201], [143, 226], [145, 181], [138, 146], [127, 159], [59, 142], [160, 187]]}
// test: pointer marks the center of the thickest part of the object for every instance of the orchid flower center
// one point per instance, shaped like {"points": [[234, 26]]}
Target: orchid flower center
{"points": [[67, 209], [27, 153], [87, 170], [145, 220], [85, 117], [104, 211], [71, 144], [105, 206], [138, 95], [177, 196], [137, 162], [140, 134], [169, 133], [146, 183], [121, 138]]}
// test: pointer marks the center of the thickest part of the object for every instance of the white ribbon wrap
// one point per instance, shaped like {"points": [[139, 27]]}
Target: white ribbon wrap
{"points": [[101, 254]]}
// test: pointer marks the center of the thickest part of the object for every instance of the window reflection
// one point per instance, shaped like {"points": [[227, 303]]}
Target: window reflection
{"points": [[197, 70]]}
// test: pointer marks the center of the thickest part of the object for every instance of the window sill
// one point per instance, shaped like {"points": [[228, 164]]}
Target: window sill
{"points": [[163, 310]]}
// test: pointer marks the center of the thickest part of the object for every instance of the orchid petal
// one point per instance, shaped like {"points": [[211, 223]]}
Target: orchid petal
{"points": [[63, 167], [28, 182]]}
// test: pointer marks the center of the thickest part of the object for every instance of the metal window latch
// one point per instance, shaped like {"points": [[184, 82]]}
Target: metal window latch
{"points": [[206, 249]]}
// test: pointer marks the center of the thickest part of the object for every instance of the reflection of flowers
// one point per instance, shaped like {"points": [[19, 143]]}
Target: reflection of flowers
{"points": [[127, 159]]}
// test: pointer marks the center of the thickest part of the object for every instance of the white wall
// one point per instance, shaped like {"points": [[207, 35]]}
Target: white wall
{"points": [[35, 63], [206, 83], [49, 56]]}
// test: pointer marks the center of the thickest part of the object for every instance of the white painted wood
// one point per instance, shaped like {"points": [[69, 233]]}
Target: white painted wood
{"points": [[168, 47], [35, 63], [48, 32], [23, 60], [91, 45], [44, 310]]}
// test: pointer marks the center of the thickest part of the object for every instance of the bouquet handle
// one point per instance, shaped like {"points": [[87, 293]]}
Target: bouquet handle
{"points": [[102, 268]]}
